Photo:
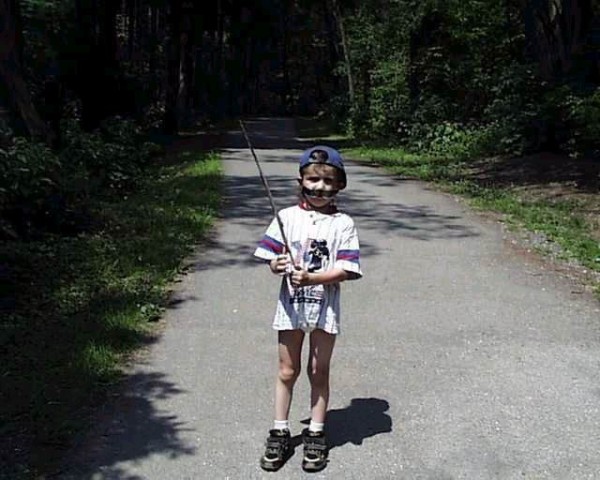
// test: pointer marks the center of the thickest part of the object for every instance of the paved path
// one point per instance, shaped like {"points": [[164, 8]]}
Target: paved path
{"points": [[459, 358]]}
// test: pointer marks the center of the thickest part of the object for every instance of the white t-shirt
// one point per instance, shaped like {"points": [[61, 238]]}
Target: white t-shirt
{"points": [[319, 242]]}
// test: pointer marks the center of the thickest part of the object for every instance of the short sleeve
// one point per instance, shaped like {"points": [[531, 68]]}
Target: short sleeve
{"points": [[271, 244], [348, 254]]}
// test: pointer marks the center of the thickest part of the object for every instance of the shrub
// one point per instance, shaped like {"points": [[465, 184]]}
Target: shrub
{"points": [[452, 140], [583, 117], [42, 191], [28, 184]]}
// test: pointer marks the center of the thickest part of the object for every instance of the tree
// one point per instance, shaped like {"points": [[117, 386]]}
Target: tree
{"points": [[13, 88], [337, 14], [557, 33]]}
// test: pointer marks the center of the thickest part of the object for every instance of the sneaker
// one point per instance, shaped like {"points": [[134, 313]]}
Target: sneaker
{"points": [[279, 449], [315, 451]]}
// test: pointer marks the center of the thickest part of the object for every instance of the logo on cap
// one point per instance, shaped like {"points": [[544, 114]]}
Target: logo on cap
{"points": [[331, 157]]}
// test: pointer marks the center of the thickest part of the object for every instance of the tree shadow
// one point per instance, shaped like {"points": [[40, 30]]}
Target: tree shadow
{"points": [[245, 204], [127, 428], [362, 419], [261, 133], [542, 168]]}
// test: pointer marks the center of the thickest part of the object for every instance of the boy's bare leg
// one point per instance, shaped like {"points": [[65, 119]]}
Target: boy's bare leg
{"points": [[290, 352], [321, 349], [278, 445]]}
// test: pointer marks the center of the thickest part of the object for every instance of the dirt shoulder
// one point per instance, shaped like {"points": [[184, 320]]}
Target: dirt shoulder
{"points": [[548, 178]]}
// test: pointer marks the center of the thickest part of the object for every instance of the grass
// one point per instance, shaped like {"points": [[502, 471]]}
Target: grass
{"points": [[400, 162], [318, 129], [78, 306], [559, 221], [562, 221]]}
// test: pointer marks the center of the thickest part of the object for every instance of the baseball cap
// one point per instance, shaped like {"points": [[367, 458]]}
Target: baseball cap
{"points": [[333, 158]]}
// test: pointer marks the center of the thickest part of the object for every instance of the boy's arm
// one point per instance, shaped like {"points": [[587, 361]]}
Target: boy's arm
{"points": [[303, 278]]}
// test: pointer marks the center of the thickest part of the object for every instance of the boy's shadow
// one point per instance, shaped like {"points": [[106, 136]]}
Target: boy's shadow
{"points": [[363, 418]]}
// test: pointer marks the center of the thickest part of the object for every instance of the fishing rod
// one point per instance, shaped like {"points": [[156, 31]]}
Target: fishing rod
{"points": [[269, 194]]}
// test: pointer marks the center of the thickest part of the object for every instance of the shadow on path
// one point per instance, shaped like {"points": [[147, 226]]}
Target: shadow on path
{"points": [[134, 428], [131, 428], [245, 203], [362, 419]]}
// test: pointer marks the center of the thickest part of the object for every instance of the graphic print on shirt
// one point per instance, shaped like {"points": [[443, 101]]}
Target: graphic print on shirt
{"points": [[318, 251], [312, 295], [313, 253]]}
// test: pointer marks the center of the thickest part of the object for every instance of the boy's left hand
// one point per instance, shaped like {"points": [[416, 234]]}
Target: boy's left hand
{"points": [[299, 277]]}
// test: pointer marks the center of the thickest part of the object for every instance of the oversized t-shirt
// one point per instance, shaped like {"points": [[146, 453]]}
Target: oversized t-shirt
{"points": [[319, 242]]}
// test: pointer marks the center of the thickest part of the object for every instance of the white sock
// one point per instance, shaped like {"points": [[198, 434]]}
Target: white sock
{"points": [[316, 427], [281, 424]]}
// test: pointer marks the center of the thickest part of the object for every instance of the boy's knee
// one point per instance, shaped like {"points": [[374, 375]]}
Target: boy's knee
{"points": [[288, 373], [318, 376]]}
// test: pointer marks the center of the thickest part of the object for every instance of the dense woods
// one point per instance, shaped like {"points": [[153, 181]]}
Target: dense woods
{"points": [[89, 87], [482, 76], [525, 69]]}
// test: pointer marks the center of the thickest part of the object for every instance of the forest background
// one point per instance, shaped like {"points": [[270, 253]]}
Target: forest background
{"points": [[477, 94]]}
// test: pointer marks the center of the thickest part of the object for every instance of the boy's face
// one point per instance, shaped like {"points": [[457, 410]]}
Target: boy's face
{"points": [[320, 183]]}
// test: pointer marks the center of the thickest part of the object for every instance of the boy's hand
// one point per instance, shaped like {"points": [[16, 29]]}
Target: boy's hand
{"points": [[300, 277], [279, 265]]}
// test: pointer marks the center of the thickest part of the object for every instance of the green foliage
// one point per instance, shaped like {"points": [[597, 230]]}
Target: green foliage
{"points": [[43, 191], [583, 116], [446, 77], [555, 220], [514, 108], [402, 162], [29, 178], [74, 306], [28, 172], [389, 99], [111, 158], [451, 140]]}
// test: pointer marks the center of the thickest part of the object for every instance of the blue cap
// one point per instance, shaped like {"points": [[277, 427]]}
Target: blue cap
{"points": [[333, 158]]}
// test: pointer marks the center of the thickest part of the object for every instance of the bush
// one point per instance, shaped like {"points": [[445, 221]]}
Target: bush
{"points": [[388, 107], [583, 117], [28, 183], [452, 140], [42, 191]]}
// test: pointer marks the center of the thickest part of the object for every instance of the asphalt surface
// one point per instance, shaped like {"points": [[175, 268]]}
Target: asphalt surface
{"points": [[459, 359]]}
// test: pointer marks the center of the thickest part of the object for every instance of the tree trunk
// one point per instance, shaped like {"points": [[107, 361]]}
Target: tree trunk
{"points": [[97, 80], [154, 88], [340, 23], [332, 44], [187, 63], [13, 89], [555, 32], [217, 104], [131, 26], [171, 118], [286, 88]]}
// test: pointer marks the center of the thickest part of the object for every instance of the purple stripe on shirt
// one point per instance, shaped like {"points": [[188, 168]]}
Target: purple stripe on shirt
{"points": [[269, 243], [349, 255]]}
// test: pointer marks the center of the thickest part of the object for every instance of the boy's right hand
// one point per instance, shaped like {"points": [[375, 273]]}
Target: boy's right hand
{"points": [[279, 265]]}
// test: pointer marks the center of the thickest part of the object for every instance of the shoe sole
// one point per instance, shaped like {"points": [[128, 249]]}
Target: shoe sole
{"points": [[270, 468], [311, 468], [273, 467]]}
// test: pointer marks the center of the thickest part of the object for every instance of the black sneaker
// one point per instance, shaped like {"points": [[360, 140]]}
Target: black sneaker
{"points": [[315, 451], [279, 449]]}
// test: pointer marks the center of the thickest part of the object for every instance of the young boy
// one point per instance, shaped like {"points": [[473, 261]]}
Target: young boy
{"points": [[325, 252]]}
